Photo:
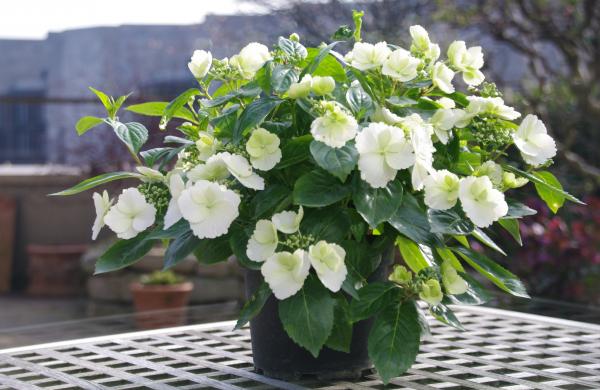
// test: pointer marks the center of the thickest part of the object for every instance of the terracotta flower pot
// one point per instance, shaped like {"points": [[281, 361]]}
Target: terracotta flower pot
{"points": [[8, 210], [55, 270], [159, 306]]}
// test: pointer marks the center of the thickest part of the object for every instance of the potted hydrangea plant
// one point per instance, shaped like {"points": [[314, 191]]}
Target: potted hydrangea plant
{"points": [[310, 166]]}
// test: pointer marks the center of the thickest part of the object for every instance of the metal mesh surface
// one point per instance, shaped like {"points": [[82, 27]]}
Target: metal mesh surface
{"points": [[499, 350]]}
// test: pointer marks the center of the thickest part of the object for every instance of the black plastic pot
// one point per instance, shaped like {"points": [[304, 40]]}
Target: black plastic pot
{"points": [[278, 356]]}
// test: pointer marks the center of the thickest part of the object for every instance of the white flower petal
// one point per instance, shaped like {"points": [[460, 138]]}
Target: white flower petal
{"points": [[130, 215], [102, 204], [286, 272], [335, 127], [288, 222], [328, 261], [263, 242], [481, 202], [533, 141], [441, 190]]}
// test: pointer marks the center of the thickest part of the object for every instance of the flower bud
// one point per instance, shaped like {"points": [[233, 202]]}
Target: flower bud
{"points": [[294, 37], [322, 85], [509, 180], [452, 281], [431, 292], [400, 275], [300, 89]]}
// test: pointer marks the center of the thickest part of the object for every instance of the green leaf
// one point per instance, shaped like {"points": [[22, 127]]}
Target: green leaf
{"points": [[124, 253], [254, 305], [282, 77], [541, 182], [512, 227], [180, 248], [158, 109], [411, 220], [152, 156], [517, 210], [443, 314], [179, 228], [96, 181], [394, 340], [340, 162], [211, 251], [371, 299], [467, 163], [412, 255], [498, 275], [177, 104], [341, 334], [270, 200], [254, 114], [307, 316], [329, 224], [292, 48], [86, 123], [104, 99], [134, 135], [553, 199], [361, 261], [452, 221], [295, 151], [320, 62], [482, 237], [318, 188], [401, 101], [359, 101], [376, 205], [225, 122]]}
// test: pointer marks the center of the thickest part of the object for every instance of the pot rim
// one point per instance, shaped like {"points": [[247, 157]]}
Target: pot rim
{"points": [[179, 287]]}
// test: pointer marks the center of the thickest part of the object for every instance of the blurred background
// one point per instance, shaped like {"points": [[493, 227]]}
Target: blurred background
{"points": [[543, 54]]}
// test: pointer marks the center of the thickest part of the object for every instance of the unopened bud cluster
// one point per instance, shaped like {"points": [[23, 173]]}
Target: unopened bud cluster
{"points": [[156, 194]]}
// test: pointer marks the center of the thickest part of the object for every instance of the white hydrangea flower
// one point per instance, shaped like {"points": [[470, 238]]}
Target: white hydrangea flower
{"points": [[533, 141], [200, 63], [322, 85], [176, 186], [491, 170], [250, 59], [443, 121], [263, 148], [441, 190], [446, 103], [150, 175], [335, 127], [383, 114], [241, 169], [490, 105], [442, 76], [422, 44], [286, 272], [468, 61], [300, 89], [263, 242], [214, 169], [366, 56], [328, 261], [209, 208], [130, 215], [288, 222], [102, 204], [401, 66], [383, 150], [452, 281], [420, 137], [481, 202], [207, 145]]}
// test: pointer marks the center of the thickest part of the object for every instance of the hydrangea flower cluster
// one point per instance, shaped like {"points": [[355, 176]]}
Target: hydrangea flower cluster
{"points": [[309, 165]]}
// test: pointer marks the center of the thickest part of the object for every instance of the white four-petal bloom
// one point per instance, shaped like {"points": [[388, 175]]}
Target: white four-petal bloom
{"points": [[383, 150], [176, 186], [263, 148], [328, 261], [250, 59], [263, 242], [214, 169], [288, 222], [102, 205], [200, 63], [286, 272], [367, 56], [482, 203], [442, 76], [490, 105], [401, 66], [207, 145], [533, 141], [468, 61], [422, 44], [209, 208], [335, 127], [241, 169], [130, 215], [441, 190]]}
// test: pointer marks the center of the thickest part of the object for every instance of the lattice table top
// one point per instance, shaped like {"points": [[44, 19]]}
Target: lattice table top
{"points": [[499, 350]]}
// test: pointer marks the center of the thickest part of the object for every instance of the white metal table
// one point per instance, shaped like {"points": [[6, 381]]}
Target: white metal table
{"points": [[499, 350]]}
